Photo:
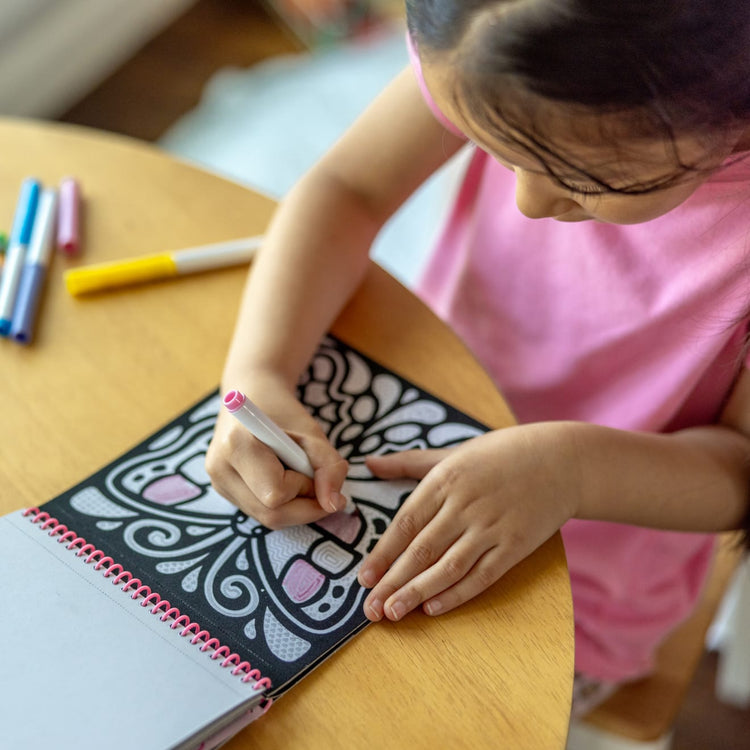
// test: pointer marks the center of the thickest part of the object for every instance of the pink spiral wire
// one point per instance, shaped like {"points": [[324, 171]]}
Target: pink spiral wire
{"points": [[150, 598]]}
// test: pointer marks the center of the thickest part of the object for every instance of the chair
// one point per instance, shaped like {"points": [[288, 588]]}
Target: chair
{"points": [[640, 715], [730, 636]]}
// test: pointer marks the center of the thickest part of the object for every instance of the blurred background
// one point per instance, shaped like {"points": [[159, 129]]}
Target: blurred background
{"points": [[255, 90]]}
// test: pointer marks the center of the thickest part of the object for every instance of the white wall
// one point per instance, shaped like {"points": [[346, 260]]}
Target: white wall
{"points": [[53, 52]]}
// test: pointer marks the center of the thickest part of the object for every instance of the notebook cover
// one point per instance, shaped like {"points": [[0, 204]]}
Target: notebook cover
{"points": [[86, 664], [282, 600]]}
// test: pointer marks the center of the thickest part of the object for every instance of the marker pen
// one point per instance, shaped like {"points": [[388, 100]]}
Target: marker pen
{"points": [[23, 220], [68, 217], [35, 268], [139, 270], [270, 434]]}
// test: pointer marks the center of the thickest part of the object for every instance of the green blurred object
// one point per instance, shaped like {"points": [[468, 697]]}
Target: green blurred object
{"points": [[3, 242], [323, 23]]}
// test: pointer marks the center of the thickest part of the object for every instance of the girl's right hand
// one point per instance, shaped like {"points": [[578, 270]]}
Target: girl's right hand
{"points": [[248, 473]]}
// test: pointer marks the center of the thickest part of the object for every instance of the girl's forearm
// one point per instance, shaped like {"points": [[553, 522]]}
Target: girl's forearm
{"points": [[317, 246], [314, 257], [692, 480]]}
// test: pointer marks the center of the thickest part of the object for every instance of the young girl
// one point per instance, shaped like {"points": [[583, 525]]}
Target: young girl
{"points": [[596, 261]]}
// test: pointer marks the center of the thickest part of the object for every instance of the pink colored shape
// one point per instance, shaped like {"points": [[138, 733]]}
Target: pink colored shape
{"points": [[234, 400], [68, 216], [345, 526], [302, 581], [170, 490]]}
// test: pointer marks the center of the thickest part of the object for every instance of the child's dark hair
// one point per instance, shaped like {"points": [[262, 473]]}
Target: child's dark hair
{"points": [[669, 68]]}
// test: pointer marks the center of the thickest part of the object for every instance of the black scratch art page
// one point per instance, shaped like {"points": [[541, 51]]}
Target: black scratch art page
{"points": [[281, 600]]}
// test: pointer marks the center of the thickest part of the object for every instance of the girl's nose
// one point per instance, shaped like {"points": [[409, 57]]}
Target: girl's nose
{"points": [[538, 196]]}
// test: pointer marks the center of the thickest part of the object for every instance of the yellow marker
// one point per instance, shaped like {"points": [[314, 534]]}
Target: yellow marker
{"points": [[111, 275]]}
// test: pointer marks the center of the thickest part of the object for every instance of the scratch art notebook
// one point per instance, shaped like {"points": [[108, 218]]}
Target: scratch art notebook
{"points": [[140, 609]]}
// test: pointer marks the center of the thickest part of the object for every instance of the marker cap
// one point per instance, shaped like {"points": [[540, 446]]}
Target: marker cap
{"points": [[23, 220], [68, 217], [120, 273], [233, 400]]}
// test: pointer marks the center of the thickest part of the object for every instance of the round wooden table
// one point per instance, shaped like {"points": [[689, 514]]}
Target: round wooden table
{"points": [[105, 371]]}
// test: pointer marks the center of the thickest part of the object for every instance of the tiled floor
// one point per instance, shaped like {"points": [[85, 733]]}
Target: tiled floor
{"points": [[165, 80]]}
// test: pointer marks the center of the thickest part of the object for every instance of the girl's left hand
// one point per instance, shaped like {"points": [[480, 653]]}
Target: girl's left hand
{"points": [[480, 509]]}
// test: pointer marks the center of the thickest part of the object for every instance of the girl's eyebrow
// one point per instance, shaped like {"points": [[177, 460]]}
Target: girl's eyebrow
{"points": [[610, 176], [606, 176], [567, 171], [574, 179]]}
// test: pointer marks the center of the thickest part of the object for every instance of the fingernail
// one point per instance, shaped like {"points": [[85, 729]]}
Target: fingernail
{"points": [[366, 578], [341, 501], [338, 502], [433, 608], [375, 608], [398, 610]]}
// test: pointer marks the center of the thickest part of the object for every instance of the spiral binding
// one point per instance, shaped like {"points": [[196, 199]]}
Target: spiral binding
{"points": [[149, 597]]}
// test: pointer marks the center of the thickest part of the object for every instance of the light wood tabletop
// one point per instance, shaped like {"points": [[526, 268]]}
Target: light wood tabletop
{"points": [[105, 371]]}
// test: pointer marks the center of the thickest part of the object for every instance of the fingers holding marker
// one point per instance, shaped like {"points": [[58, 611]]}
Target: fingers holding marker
{"points": [[297, 510], [289, 453]]}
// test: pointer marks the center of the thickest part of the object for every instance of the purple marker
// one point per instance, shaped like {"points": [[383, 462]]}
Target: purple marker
{"points": [[34, 268], [68, 218]]}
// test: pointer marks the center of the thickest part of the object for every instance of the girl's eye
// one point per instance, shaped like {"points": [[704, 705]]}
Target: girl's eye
{"points": [[584, 188]]}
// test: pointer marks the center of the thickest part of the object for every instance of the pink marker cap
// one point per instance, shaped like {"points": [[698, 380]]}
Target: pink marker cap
{"points": [[233, 400], [68, 216]]}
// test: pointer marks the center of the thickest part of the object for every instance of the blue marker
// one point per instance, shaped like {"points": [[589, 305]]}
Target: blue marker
{"points": [[35, 268], [20, 234]]}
